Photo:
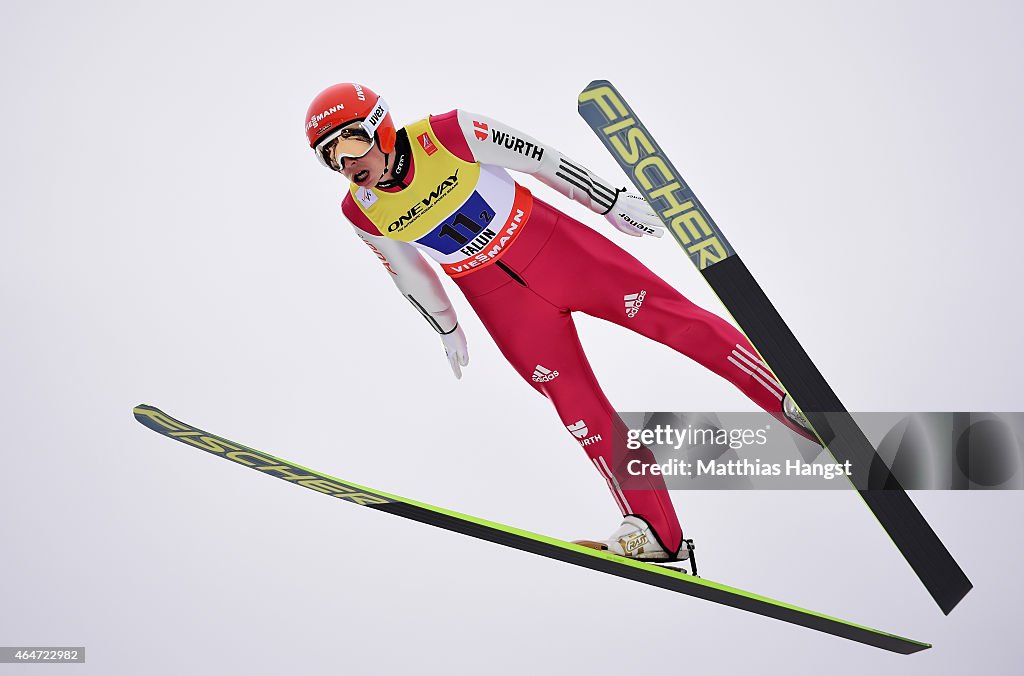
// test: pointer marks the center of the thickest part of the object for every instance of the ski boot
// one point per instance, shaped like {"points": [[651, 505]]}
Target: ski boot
{"points": [[796, 416], [635, 539]]}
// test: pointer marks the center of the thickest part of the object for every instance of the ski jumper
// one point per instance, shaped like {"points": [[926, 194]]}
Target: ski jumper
{"points": [[525, 267]]}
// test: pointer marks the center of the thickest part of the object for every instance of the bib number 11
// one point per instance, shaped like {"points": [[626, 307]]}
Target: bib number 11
{"points": [[462, 228]]}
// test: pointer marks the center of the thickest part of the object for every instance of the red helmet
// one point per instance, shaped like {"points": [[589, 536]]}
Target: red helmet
{"points": [[342, 105]]}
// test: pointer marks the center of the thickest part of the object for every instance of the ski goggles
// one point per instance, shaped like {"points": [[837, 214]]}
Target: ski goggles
{"points": [[352, 140]]}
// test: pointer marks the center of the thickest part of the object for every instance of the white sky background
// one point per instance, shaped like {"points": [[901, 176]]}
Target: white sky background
{"points": [[168, 238]]}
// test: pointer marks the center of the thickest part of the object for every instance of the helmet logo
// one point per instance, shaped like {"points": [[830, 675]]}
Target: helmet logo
{"points": [[314, 121], [376, 116]]}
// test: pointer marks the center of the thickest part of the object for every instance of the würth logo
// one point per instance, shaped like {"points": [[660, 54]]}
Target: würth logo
{"points": [[515, 144], [480, 129], [580, 430], [543, 375], [633, 302], [427, 143]]}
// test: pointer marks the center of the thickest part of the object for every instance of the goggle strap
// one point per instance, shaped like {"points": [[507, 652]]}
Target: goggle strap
{"points": [[376, 116]]}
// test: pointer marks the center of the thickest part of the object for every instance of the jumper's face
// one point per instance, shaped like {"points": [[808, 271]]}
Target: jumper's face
{"points": [[353, 151], [364, 171]]}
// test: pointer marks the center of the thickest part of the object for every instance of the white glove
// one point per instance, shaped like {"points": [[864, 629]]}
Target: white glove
{"points": [[632, 215], [455, 347]]}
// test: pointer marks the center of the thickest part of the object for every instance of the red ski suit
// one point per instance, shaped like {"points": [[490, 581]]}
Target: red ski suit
{"points": [[553, 265]]}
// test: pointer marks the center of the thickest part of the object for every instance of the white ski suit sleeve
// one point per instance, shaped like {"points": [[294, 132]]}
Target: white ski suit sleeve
{"points": [[415, 278], [493, 142]]}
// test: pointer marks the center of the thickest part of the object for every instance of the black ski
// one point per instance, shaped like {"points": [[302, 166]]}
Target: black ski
{"points": [[552, 548], [639, 155]]}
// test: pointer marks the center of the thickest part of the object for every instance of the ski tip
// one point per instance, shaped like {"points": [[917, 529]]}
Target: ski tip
{"points": [[595, 85], [150, 415]]}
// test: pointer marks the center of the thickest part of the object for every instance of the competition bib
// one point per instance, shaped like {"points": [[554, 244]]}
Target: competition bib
{"points": [[462, 214]]}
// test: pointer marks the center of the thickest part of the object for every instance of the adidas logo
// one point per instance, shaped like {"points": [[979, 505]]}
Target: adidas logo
{"points": [[543, 375], [633, 302]]}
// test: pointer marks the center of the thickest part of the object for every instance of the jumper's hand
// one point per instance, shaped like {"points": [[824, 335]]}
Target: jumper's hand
{"points": [[632, 215], [456, 349]]}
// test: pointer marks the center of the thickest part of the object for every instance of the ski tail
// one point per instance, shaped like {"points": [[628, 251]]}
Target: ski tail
{"points": [[654, 175], [913, 536], [542, 545]]}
